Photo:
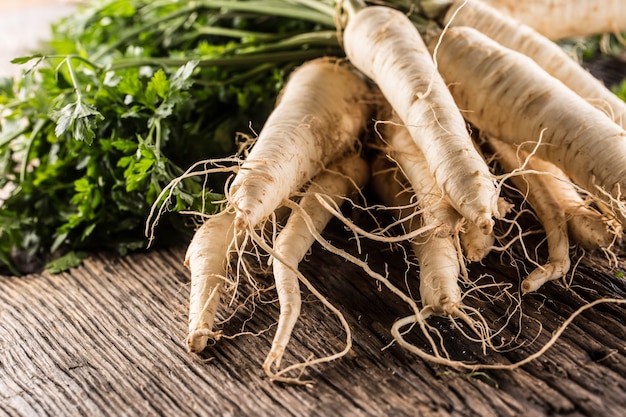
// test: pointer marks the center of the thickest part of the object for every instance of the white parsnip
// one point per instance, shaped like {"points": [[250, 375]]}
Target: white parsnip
{"points": [[207, 258], [438, 260], [385, 45], [509, 82], [476, 245], [587, 226], [548, 55], [508, 96], [548, 210], [439, 275], [338, 182], [413, 164], [319, 116], [557, 19], [429, 198]]}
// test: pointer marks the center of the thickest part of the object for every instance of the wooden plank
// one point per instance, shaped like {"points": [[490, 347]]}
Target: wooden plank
{"points": [[108, 339]]}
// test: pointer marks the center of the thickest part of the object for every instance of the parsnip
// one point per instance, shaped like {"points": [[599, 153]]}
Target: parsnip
{"points": [[413, 164], [549, 211], [559, 19], [337, 182], [586, 226], [385, 45], [551, 57], [435, 252], [207, 259], [508, 96], [319, 116]]}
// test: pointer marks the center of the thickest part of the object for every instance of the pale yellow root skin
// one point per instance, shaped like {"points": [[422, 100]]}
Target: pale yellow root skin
{"points": [[413, 164], [392, 186], [385, 45], [337, 182], [319, 116], [558, 19], [436, 253], [508, 96], [476, 245], [587, 227], [548, 210], [547, 54], [439, 274], [207, 259]]}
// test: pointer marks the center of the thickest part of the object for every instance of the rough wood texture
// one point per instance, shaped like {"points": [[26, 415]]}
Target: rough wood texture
{"points": [[108, 339]]}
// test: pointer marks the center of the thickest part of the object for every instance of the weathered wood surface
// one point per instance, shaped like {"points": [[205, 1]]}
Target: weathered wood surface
{"points": [[108, 339]]}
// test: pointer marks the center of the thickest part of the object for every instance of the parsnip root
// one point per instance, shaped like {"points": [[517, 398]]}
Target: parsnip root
{"points": [[338, 182], [508, 96], [386, 46], [549, 211], [548, 55], [207, 259], [319, 116], [558, 19]]}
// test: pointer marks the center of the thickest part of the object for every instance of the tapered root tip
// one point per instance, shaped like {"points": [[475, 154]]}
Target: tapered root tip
{"points": [[198, 339], [273, 359], [449, 305], [541, 275], [537, 278], [476, 255], [531, 286]]}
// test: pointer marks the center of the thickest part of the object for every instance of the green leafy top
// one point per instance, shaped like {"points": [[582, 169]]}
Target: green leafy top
{"points": [[130, 93]]}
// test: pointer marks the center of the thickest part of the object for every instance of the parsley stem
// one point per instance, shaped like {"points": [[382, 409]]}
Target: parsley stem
{"points": [[153, 25], [157, 139], [75, 84], [321, 38], [72, 57], [249, 59], [199, 31], [39, 125], [322, 7], [270, 8], [262, 7], [240, 76]]}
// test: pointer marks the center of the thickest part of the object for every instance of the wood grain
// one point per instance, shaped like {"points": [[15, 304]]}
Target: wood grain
{"points": [[108, 339]]}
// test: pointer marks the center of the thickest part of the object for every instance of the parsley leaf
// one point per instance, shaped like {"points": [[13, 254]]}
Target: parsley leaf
{"points": [[124, 98]]}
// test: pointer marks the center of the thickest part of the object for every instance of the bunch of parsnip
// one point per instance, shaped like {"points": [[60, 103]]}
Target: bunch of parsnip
{"points": [[435, 105], [552, 129]]}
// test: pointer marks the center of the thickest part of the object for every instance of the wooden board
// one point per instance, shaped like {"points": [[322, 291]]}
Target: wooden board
{"points": [[108, 339]]}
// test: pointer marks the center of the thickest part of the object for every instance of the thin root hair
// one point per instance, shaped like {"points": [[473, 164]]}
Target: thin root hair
{"points": [[438, 359], [162, 201], [331, 207], [279, 375]]}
